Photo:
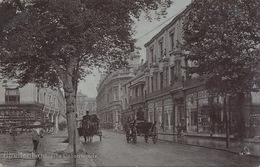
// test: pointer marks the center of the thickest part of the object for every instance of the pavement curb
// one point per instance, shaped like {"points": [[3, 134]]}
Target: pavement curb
{"points": [[214, 148]]}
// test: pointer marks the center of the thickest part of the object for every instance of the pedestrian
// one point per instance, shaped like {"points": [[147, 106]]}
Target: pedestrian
{"points": [[38, 140], [179, 129], [116, 127]]}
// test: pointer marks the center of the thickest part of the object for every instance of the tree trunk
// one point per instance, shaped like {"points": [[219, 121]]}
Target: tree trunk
{"points": [[241, 121], [72, 125], [226, 121]]}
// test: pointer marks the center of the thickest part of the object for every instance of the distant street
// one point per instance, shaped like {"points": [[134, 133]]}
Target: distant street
{"points": [[113, 150]]}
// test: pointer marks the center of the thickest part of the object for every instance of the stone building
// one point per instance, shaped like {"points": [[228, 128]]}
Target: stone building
{"points": [[109, 99], [25, 105], [173, 96]]}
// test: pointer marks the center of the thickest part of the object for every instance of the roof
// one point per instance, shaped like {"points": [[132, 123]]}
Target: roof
{"points": [[174, 20]]}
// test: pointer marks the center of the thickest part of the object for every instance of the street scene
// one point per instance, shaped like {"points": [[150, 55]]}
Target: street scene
{"points": [[130, 83], [113, 150]]}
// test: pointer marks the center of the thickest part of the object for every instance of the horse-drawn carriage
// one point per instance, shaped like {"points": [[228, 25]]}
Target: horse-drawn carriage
{"points": [[141, 128], [90, 127]]}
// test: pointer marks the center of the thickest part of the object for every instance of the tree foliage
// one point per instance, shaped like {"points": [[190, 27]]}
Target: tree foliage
{"points": [[58, 42], [221, 37], [45, 40]]}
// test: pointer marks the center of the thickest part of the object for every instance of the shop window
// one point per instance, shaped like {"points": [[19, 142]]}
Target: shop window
{"points": [[12, 95], [191, 109]]}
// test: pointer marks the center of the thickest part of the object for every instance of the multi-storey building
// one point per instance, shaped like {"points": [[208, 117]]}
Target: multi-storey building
{"points": [[109, 102], [133, 97], [92, 106], [21, 106], [173, 96], [82, 101]]}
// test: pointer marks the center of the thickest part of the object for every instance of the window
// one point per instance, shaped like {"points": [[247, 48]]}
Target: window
{"points": [[12, 95], [172, 75], [151, 53], [161, 47], [161, 80], [172, 39], [155, 81], [178, 68], [166, 76], [152, 83], [38, 93], [44, 98]]}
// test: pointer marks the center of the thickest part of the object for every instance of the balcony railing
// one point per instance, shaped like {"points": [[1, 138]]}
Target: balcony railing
{"points": [[113, 103], [159, 92], [135, 100]]}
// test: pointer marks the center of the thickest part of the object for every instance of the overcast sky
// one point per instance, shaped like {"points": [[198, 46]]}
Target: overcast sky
{"points": [[88, 86], [143, 26]]}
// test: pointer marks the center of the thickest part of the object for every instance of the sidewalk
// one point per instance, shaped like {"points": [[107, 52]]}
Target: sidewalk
{"points": [[235, 147], [18, 152]]}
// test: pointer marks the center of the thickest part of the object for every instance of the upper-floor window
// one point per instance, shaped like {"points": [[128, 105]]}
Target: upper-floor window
{"points": [[12, 95], [44, 98], [152, 54], [172, 39], [152, 84], [178, 68], [173, 75], [161, 47], [38, 94], [161, 80]]}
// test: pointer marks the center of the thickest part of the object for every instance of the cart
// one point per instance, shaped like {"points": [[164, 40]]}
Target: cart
{"points": [[141, 128], [89, 128]]}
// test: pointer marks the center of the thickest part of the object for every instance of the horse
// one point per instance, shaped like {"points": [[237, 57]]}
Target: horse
{"points": [[88, 130]]}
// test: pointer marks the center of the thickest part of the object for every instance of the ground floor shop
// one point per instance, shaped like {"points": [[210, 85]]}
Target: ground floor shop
{"points": [[110, 117], [200, 113], [26, 114], [16, 115]]}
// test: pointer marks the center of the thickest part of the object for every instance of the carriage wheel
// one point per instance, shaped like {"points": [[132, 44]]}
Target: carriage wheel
{"points": [[155, 135], [146, 138]]}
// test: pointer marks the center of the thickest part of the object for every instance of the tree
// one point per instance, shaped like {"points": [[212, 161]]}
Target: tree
{"points": [[58, 42], [221, 38]]}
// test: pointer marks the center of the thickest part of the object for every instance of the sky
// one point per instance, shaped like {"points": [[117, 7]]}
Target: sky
{"points": [[142, 27]]}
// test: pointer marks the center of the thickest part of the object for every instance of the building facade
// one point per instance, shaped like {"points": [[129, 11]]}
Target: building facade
{"points": [[109, 99], [82, 101], [92, 106], [22, 106], [171, 96]]}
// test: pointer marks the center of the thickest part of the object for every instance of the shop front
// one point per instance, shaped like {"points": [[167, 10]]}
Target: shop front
{"points": [[205, 114], [17, 115]]}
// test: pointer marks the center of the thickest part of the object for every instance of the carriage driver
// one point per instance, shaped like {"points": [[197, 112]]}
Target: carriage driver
{"points": [[140, 115], [87, 116]]}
